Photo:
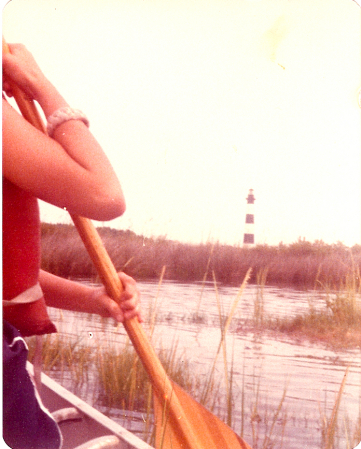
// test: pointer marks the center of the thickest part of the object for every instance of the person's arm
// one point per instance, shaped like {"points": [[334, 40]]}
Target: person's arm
{"points": [[69, 170], [65, 294]]}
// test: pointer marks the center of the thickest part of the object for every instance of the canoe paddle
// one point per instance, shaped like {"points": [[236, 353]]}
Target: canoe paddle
{"points": [[180, 421]]}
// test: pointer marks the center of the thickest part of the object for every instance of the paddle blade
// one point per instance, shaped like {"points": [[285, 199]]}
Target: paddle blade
{"points": [[209, 431]]}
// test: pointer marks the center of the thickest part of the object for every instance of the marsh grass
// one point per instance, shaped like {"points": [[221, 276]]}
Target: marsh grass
{"points": [[331, 428], [343, 304], [338, 324], [300, 264], [121, 378], [63, 354], [263, 421]]}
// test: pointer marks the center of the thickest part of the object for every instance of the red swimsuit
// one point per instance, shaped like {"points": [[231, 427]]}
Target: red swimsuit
{"points": [[21, 260]]}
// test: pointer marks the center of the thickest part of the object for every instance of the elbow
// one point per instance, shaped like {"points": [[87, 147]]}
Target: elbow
{"points": [[117, 207], [110, 207], [114, 201], [100, 202]]}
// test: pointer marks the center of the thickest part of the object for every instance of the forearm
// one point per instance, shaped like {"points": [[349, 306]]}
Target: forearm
{"points": [[80, 145], [65, 294], [48, 97], [72, 135]]}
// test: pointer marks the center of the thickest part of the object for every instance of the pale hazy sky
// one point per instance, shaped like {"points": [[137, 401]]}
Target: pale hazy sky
{"points": [[197, 101]]}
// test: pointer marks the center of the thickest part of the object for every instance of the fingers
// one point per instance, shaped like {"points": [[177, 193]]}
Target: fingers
{"points": [[128, 306], [20, 67], [130, 298], [12, 60]]}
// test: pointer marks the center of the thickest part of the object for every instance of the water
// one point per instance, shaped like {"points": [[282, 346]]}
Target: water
{"points": [[265, 366]]}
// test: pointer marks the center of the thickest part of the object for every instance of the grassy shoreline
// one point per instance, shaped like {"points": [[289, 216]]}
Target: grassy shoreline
{"points": [[302, 265]]}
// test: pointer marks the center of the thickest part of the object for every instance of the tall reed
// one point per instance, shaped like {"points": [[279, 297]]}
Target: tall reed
{"points": [[224, 325], [258, 313], [204, 281], [331, 427]]}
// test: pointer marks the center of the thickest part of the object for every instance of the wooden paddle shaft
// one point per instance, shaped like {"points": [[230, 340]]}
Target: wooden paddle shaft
{"points": [[161, 383]]}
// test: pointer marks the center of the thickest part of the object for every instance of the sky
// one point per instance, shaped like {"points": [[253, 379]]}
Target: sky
{"points": [[197, 101]]}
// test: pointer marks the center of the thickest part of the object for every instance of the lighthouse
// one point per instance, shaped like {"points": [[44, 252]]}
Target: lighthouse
{"points": [[248, 239]]}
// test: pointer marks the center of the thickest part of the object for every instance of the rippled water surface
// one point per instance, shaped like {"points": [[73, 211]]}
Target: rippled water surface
{"points": [[265, 367]]}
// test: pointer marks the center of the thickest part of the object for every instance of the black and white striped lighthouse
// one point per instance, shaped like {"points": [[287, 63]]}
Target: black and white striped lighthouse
{"points": [[248, 238]]}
